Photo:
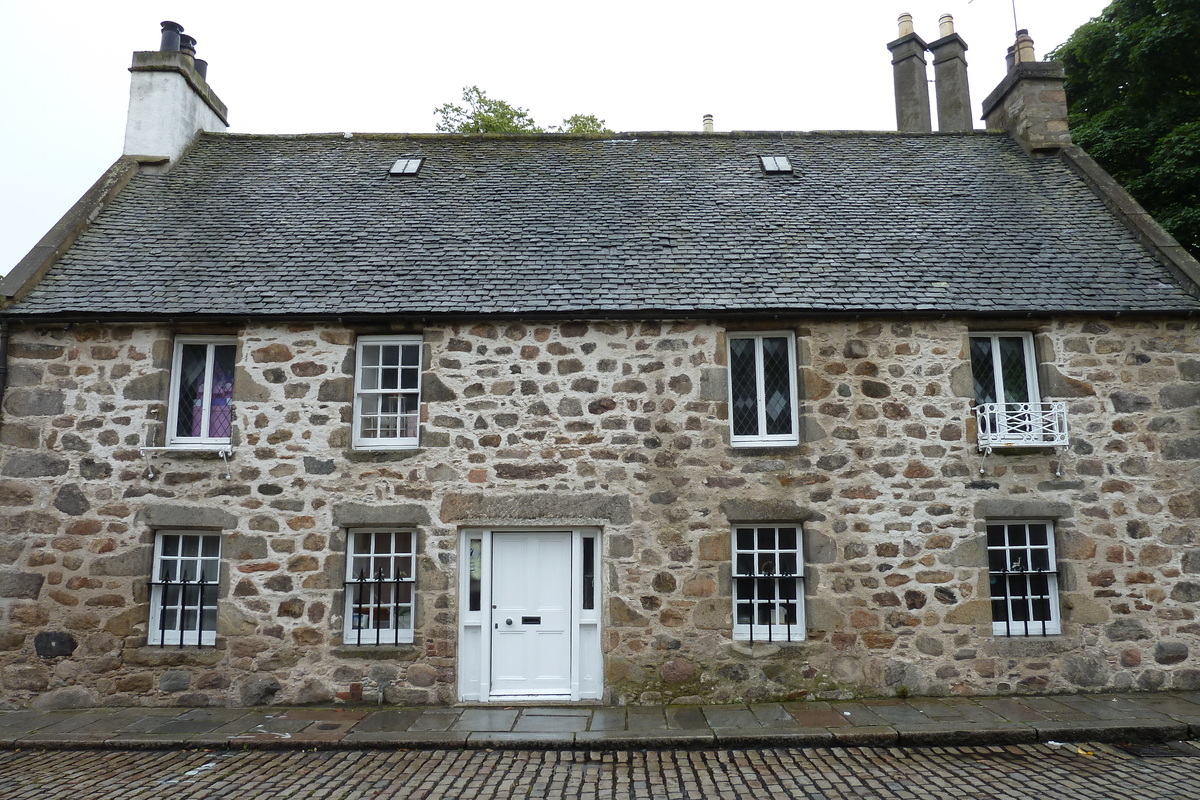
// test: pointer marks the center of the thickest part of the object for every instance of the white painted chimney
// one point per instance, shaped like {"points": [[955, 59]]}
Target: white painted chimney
{"points": [[170, 100], [708, 123]]}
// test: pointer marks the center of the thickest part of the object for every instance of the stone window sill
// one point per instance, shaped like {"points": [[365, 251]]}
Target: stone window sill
{"points": [[378, 456], [397, 652]]}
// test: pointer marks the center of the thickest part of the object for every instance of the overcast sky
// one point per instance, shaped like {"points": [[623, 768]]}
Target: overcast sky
{"points": [[373, 66]]}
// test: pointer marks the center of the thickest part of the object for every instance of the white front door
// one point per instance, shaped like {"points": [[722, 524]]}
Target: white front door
{"points": [[531, 614]]}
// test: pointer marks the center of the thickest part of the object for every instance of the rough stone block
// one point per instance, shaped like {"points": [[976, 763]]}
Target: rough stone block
{"points": [[23, 585]]}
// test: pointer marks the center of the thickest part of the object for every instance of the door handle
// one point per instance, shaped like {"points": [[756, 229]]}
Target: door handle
{"points": [[508, 622]]}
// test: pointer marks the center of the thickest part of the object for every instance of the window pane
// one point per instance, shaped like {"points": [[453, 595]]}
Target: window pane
{"points": [[745, 538], [995, 536], [589, 572], [743, 387], [982, 369], [1012, 368], [410, 355], [189, 404], [766, 538], [777, 386]]}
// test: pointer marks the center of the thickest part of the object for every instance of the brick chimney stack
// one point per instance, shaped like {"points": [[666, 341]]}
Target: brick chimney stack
{"points": [[950, 73], [1030, 102], [912, 84], [170, 100]]}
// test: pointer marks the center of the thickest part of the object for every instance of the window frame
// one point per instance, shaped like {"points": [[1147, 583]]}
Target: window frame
{"points": [[159, 634], [1009, 627], [173, 439], [1031, 367], [771, 632], [761, 439], [394, 634], [360, 441]]}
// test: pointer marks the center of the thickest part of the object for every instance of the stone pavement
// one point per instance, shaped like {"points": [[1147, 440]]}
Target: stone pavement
{"points": [[947, 721]]}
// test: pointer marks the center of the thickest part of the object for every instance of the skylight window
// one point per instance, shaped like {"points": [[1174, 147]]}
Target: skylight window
{"points": [[776, 165], [407, 166]]}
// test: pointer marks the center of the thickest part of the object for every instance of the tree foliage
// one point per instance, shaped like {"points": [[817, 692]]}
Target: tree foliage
{"points": [[1133, 88], [482, 114]]}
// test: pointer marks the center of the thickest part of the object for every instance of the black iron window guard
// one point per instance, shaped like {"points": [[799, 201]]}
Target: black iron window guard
{"points": [[1029, 597], [790, 606], [369, 595], [182, 608]]}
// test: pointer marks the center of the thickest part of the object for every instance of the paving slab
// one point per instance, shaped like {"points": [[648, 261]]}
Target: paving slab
{"points": [[608, 719], [951, 709], [816, 715], [326, 714], [555, 724], [771, 714], [435, 721], [1171, 705], [858, 714], [895, 713], [685, 718], [737, 717], [388, 720], [485, 719], [638, 718], [555, 711], [1012, 709], [1053, 710], [1100, 709]]}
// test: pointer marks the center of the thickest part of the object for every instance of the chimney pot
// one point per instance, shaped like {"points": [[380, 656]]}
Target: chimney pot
{"points": [[170, 36], [1024, 48], [708, 123], [187, 45], [906, 24], [201, 68], [945, 25]]}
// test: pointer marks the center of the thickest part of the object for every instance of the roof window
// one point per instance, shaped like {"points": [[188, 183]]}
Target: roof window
{"points": [[407, 166], [776, 165]]}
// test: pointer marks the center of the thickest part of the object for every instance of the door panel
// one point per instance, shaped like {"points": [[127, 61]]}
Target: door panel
{"points": [[531, 614]]}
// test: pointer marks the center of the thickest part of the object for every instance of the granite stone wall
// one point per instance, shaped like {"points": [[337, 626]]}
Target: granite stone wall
{"points": [[621, 426]]}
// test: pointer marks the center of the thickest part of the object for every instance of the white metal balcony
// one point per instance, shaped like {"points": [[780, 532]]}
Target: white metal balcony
{"points": [[1021, 424]]}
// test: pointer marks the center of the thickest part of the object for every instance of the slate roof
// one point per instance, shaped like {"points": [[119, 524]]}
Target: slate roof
{"points": [[641, 223]]}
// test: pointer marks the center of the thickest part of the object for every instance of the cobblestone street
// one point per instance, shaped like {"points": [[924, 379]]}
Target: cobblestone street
{"points": [[1016, 771]]}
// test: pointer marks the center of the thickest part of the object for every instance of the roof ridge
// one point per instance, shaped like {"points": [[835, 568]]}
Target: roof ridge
{"points": [[597, 137]]}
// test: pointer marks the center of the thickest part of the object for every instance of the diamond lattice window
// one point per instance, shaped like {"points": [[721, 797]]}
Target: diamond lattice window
{"points": [[762, 389], [201, 406], [1009, 410]]}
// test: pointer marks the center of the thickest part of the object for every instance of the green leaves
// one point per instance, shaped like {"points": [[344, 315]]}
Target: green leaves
{"points": [[482, 114], [1133, 88]]}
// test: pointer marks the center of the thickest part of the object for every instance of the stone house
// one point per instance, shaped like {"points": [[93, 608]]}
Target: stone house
{"points": [[655, 417]]}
